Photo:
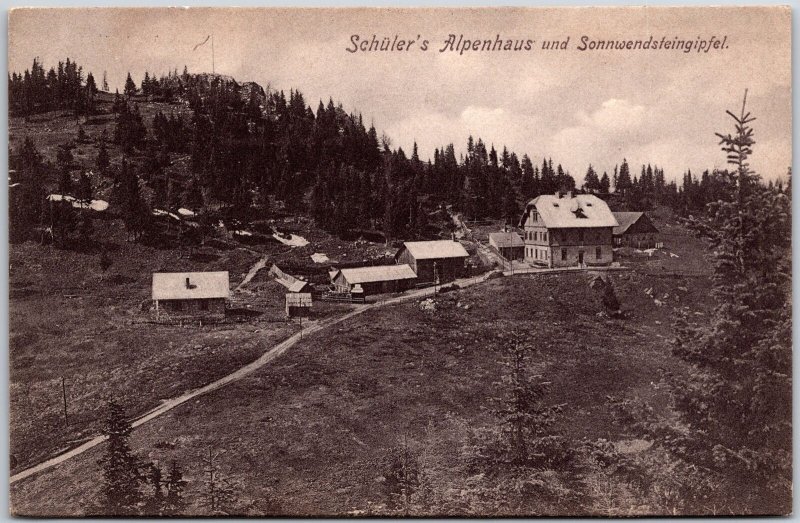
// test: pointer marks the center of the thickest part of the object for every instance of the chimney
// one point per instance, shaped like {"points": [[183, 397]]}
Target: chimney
{"points": [[558, 194], [569, 194], [188, 285]]}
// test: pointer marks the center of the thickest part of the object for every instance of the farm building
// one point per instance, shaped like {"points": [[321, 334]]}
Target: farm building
{"points": [[298, 304], [200, 295], [434, 261], [635, 229], [508, 244], [374, 280], [562, 230]]}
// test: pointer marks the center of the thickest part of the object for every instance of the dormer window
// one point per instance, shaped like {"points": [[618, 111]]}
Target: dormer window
{"points": [[579, 213]]}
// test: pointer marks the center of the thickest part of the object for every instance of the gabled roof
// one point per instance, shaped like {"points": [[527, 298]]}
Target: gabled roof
{"points": [[297, 286], [627, 219], [436, 249], [202, 285], [378, 273], [580, 211], [506, 239]]}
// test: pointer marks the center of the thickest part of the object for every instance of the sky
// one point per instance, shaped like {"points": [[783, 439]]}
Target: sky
{"points": [[577, 107]]}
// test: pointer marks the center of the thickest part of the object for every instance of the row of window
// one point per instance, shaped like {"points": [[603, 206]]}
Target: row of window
{"points": [[560, 236], [543, 254], [179, 305], [536, 236], [536, 254]]}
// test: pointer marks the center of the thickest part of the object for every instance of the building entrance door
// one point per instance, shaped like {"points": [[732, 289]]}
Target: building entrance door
{"points": [[580, 258]]}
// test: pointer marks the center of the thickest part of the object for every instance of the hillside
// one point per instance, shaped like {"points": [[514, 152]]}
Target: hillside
{"points": [[311, 433]]}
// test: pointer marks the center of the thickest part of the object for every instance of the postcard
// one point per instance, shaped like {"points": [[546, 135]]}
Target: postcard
{"points": [[362, 262]]}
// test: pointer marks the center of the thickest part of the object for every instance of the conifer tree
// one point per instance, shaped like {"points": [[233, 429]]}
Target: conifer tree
{"points": [[174, 503], [155, 502], [220, 496], [524, 417], [122, 477], [605, 183], [130, 86], [623, 183], [737, 399]]}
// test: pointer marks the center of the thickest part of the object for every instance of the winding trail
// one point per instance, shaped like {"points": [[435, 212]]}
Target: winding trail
{"points": [[237, 375], [260, 264]]}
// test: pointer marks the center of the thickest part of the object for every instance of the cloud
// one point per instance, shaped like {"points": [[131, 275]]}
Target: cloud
{"points": [[614, 116], [494, 125]]}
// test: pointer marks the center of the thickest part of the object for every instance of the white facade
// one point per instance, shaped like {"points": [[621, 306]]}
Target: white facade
{"points": [[565, 231]]}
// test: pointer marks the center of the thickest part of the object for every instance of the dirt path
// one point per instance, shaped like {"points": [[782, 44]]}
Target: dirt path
{"points": [[260, 264], [237, 375]]}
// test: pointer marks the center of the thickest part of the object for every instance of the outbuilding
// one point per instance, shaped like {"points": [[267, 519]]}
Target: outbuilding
{"points": [[377, 279], [436, 261], [191, 295], [508, 244], [298, 304], [635, 229]]}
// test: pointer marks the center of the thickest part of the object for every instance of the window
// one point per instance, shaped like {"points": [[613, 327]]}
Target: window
{"points": [[535, 215], [598, 252], [545, 236], [580, 236], [203, 305], [563, 254], [537, 253]]}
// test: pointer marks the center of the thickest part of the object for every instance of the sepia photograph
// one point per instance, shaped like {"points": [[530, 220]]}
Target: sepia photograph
{"points": [[400, 262]]}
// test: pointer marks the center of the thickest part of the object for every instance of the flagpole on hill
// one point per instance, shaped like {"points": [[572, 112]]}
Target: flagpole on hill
{"points": [[211, 37]]}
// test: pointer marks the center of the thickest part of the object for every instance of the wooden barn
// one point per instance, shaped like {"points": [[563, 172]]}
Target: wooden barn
{"points": [[436, 261], [190, 295], [378, 279], [635, 229], [508, 244], [298, 304]]}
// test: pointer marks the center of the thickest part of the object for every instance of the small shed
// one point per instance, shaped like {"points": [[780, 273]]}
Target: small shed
{"points": [[298, 304], [201, 295], [434, 261], [377, 279], [635, 229], [508, 244]]}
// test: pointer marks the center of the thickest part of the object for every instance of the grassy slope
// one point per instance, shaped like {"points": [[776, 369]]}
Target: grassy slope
{"points": [[71, 320], [312, 428]]}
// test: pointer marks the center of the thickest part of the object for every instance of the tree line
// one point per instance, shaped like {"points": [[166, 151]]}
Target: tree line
{"points": [[249, 148]]}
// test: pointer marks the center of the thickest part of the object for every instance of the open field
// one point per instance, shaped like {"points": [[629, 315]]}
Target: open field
{"points": [[311, 432], [72, 320]]}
